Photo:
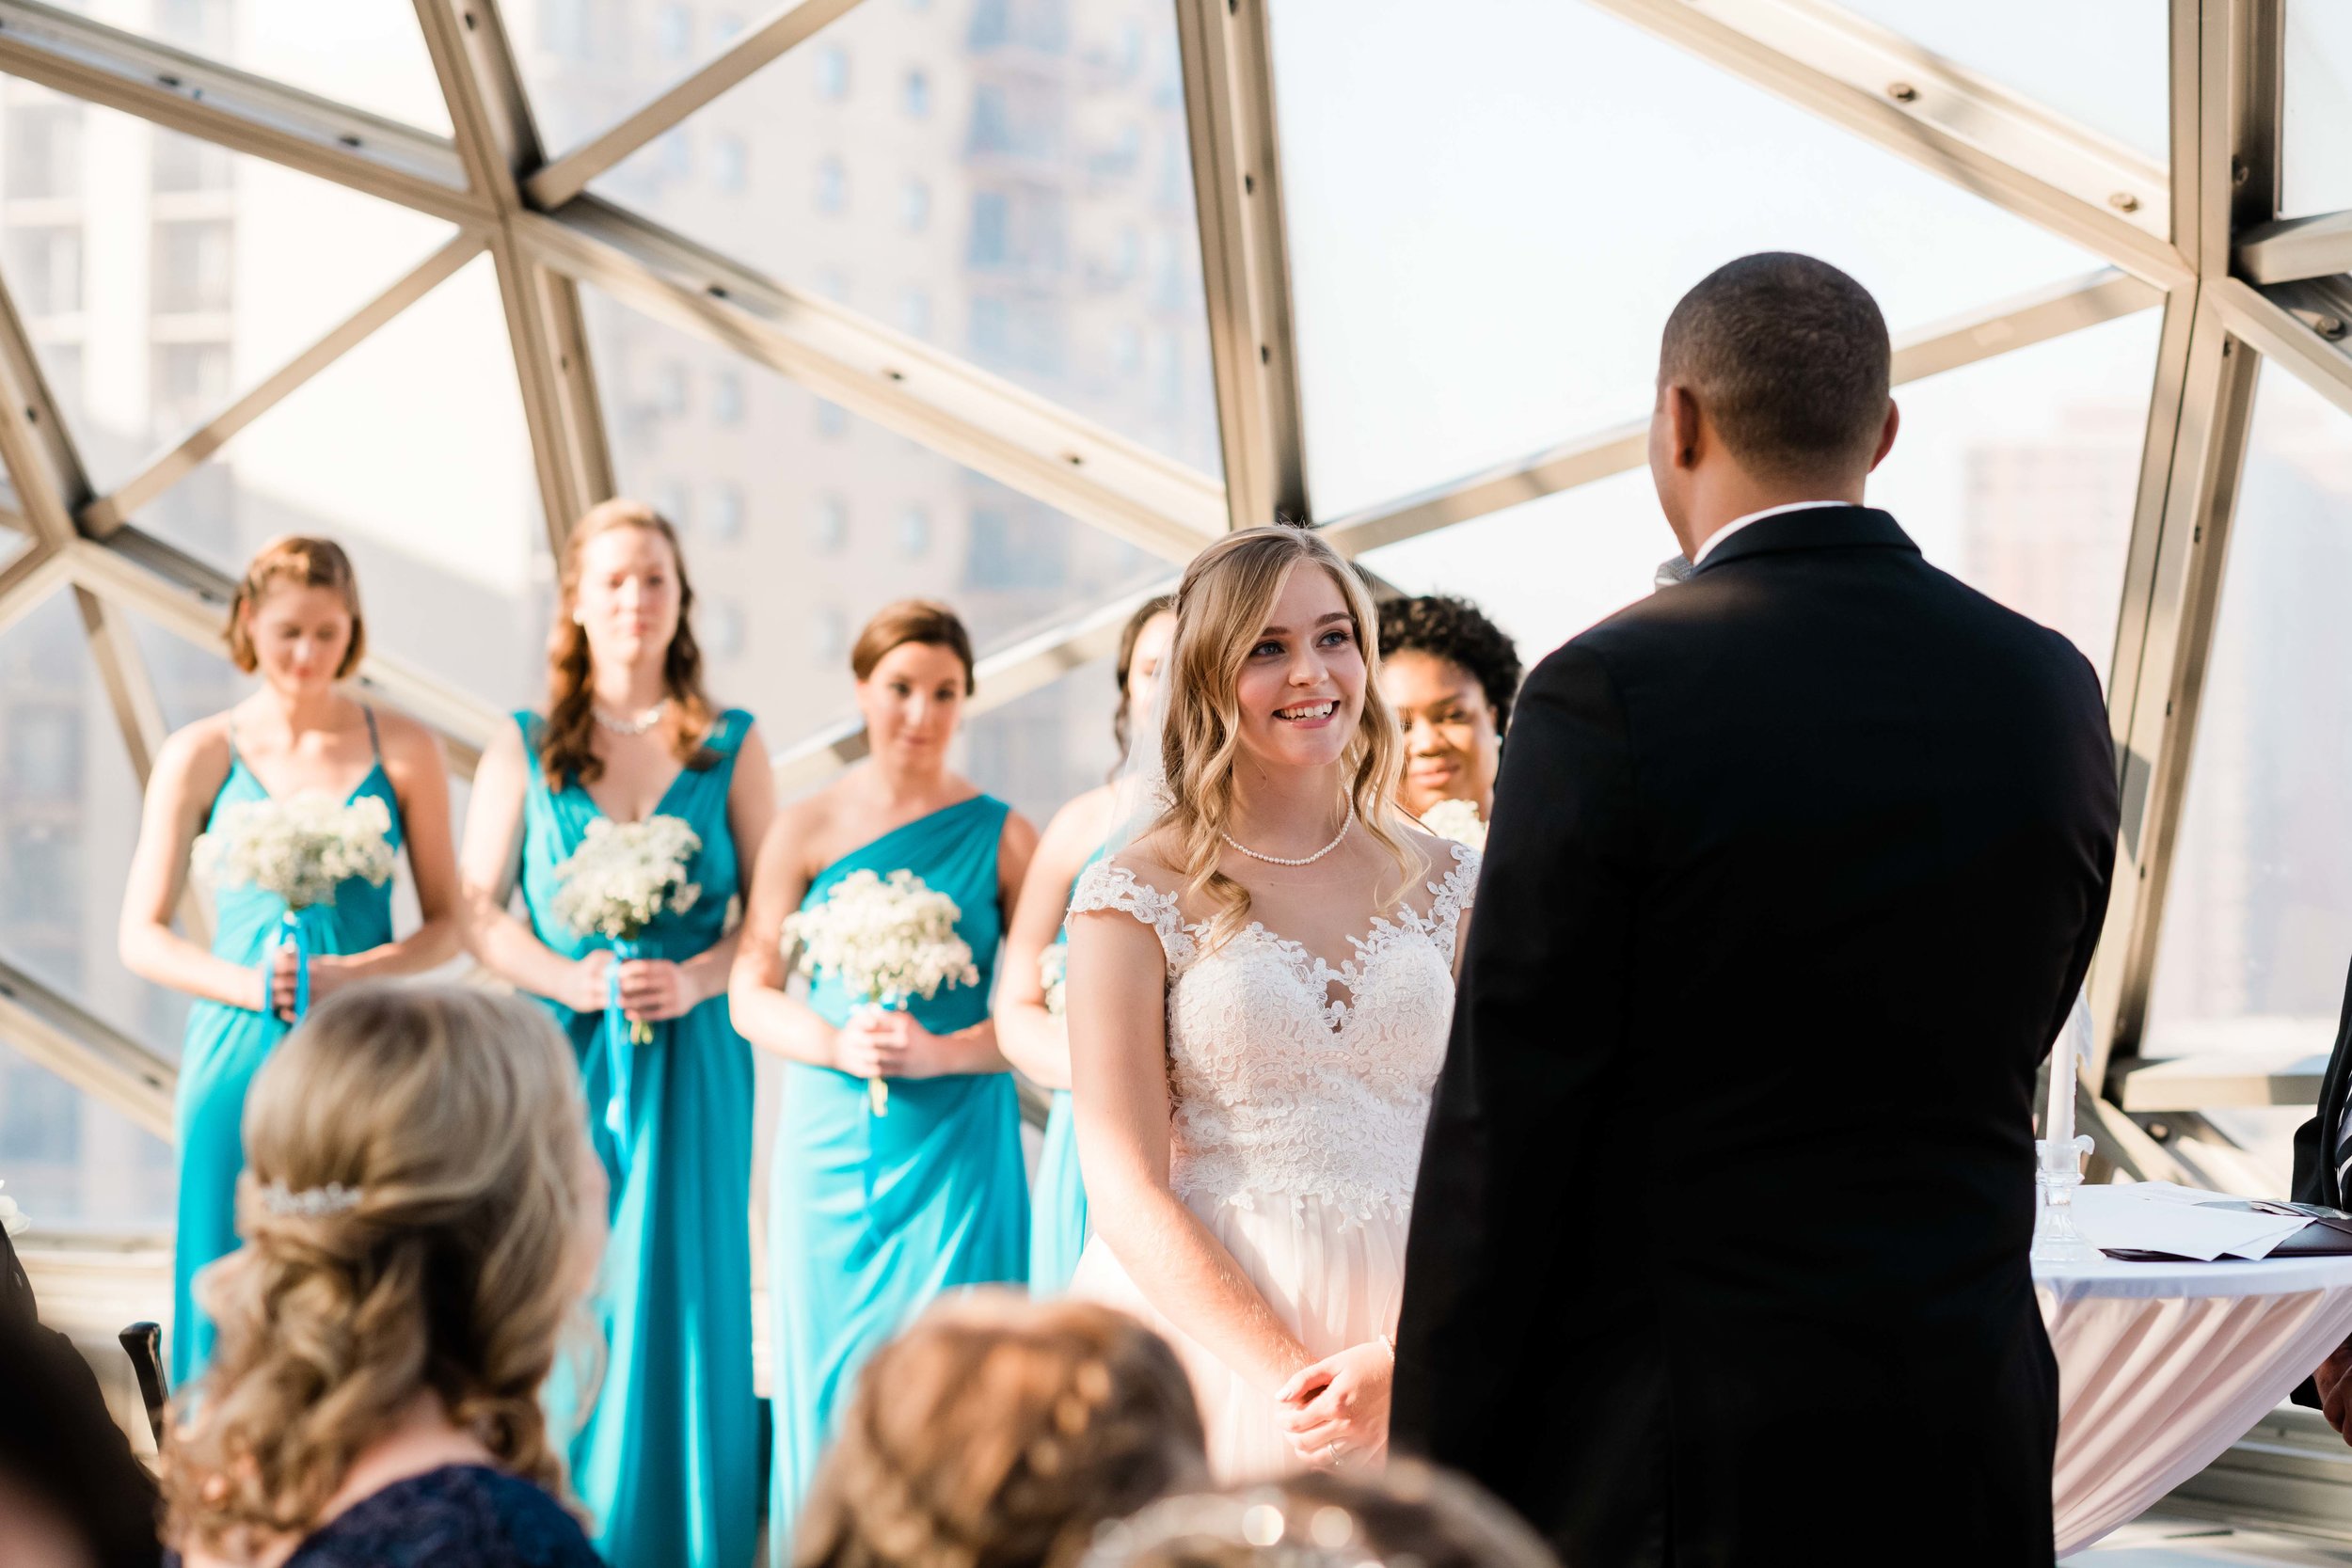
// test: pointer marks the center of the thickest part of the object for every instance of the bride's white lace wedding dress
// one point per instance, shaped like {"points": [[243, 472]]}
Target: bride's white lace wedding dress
{"points": [[1300, 1089]]}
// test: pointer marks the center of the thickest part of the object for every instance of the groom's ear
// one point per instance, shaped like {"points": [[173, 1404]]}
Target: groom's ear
{"points": [[1683, 435]]}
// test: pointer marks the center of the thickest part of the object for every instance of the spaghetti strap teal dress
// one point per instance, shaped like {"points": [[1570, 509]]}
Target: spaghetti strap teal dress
{"points": [[668, 1459], [224, 1047], [1057, 1220], [871, 1216]]}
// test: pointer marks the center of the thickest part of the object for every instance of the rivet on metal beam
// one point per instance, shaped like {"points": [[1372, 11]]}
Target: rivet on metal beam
{"points": [[716, 291], [1073, 459], [2239, 172], [1266, 353], [2325, 323], [1902, 92], [348, 139], [901, 375], [2124, 201], [1248, 184]]}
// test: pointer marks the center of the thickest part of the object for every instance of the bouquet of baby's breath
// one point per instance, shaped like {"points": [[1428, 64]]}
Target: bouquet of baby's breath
{"points": [[12, 1220], [1458, 821], [1052, 971], [623, 876], [301, 848], [887, 940]]}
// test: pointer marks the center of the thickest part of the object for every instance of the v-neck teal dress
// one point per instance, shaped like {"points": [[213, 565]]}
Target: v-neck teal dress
{"points": [[668, 1461], [224, 1047], [871, 1216]]}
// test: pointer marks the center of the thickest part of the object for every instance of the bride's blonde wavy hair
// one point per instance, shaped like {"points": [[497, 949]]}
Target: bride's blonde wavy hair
{"points": [[1221, 610], [455, 1116]]}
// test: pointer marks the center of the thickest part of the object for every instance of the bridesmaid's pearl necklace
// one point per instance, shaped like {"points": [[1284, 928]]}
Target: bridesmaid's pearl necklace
{"points": [[1346, 822], [638, 725]]}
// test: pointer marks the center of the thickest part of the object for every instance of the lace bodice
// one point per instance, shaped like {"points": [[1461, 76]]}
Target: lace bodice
{"points": [[1282, 1090]]}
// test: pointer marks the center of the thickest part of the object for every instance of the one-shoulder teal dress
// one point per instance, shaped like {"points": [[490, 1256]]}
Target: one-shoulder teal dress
{"points": [[668, 1461], [224, 1046], [1057, 1221], [871, 1216]]}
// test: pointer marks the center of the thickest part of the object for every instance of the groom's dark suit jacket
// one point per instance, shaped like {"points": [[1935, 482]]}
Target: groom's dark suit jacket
{"points": [[1718, 1255]]}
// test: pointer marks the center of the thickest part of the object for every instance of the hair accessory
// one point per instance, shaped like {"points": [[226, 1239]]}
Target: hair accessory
{"points": [[311, 1202], [1318, 1535]]}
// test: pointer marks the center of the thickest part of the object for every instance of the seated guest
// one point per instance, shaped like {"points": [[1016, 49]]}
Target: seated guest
{"points": [[1000, 1433], [1450, 673], [422, 1214], [2323, 1157], [1411, 1514], [72, 1493]]}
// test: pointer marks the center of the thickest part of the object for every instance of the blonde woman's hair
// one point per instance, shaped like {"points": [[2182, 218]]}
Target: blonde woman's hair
{"points": [[1221, 609], [1000, 1433], [454, 1118]]}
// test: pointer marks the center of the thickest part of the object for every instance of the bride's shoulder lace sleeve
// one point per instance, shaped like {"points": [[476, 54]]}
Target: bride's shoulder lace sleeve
{"points": [[1107, 886], [1456, 892]]}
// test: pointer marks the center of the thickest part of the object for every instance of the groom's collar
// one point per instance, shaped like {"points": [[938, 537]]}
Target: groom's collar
{"points": [[1810, 528]]}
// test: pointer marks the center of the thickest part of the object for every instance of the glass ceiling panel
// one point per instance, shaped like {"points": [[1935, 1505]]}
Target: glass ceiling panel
{"points": [[1489, 276], [2258, 915], [160, 275], [69, 818], [1006, 179], [76, 1164], [2104, 64], [411, 453], [2315, 162], [368, 53], [800, 520], [2017, 474]]}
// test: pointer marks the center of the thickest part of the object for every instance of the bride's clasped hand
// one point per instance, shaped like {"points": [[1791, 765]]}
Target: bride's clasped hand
{"points": [[1335, 1411]]}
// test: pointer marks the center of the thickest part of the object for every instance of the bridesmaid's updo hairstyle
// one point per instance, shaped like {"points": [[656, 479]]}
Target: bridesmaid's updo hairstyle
{"points": [[412, 1209], [568, 751], [1001, 1432], [1221, 609], [1131, 634], [924, 621], [301, 561]]}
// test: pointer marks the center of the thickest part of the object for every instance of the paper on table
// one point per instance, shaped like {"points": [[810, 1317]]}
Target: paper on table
{"points": [[2158, 1216]]}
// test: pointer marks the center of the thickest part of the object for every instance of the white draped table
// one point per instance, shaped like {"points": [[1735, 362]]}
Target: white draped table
{"points": [[2163, 1366]]}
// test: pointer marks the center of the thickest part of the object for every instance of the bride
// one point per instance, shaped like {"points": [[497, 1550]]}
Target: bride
{"points": [[1259, 988]]}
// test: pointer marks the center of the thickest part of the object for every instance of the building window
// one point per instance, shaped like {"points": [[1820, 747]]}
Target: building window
{"points": [[828, 524], [726, 398], [1127, 349], [917, 95], [563, 28], [834, 284], [914, 531], [191, 383], [833, 72], [833, 185], [832, 419], [202, 26], [915, 205], [730, 163], [671, 499], [678, 154], [45, 756], [192, 266], [727, 511], [185, 163], [726, 27], [674, 32], [1009, 549], [722, 625], [828, 634], [914, 313], [44, 157], [44, 264], [990, 223], [669, 387]]}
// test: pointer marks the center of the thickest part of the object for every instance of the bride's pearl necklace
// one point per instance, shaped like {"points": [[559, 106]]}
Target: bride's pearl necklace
{"points": [[638, 725], [1346, 822]]}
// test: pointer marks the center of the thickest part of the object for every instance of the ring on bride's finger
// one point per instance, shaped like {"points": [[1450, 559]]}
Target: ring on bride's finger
{"points": [[1333, 1453]]}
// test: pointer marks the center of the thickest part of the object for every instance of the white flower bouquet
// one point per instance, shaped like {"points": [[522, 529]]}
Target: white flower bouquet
{"points": [[887, 940], [12, 1220], [1458, 821], [623, 876], [302, 849], [1052, 971]]}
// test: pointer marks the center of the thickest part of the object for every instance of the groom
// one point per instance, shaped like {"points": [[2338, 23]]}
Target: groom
{"points": [[1717, 1256]]}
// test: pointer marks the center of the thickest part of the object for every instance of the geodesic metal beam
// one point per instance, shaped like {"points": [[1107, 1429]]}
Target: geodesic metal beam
{"points": [[53, 1032]]}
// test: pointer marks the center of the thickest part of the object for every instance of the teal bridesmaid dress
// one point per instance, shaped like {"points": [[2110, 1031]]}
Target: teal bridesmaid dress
{"points": [[224, 1046], [668, 1459], [1057, 1225], [871, 1216]]}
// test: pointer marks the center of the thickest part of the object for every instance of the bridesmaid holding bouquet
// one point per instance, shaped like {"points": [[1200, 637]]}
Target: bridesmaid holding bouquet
{"points": [[365, 785], [628, 810], [1029, 1026], [884, 1196]]}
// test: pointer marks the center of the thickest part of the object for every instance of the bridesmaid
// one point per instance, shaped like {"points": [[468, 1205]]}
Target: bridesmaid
{"points": [[294, 621], [872, 1215], [668, 1461], [1450, 673], [1032, 1039]]}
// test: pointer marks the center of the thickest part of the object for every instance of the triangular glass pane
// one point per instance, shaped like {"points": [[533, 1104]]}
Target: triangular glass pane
{"points": [[2315, 162], [800, 520], [1008, 181], [368, 53], [2104, 64], [159, 275], [76, 1163], [2258, 910], [411, 453], [1487, 276], [68, 819], [1039, 751], [2017, 474]]}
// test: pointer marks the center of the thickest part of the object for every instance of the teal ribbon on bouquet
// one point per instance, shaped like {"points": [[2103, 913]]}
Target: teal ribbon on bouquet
{"points": [[293, 931], [622, 1036]]}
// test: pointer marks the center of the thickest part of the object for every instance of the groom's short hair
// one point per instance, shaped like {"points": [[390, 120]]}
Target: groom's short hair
{"points": [[1788, 359]]}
